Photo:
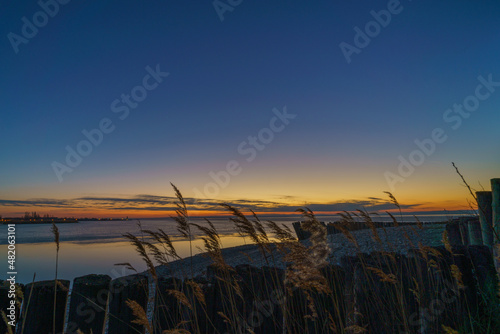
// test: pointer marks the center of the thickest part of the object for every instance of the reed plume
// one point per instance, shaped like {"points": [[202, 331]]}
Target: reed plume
{"points": [[141, 318], [163, 250], [255, 231], [141, 250], [198, 292], [183, 225], [182, 217], [283, 234], [164, 239], [181, 298], [449, 330], [212, 244], [390, 278]]}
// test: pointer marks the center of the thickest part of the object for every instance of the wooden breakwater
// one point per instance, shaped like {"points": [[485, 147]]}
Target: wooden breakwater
{"points": [[380, 292], [337, 227]]}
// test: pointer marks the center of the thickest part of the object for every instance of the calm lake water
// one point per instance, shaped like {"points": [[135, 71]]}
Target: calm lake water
{"points": [[94, 247]]}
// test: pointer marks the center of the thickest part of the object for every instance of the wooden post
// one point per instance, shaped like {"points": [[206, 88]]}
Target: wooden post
{"points": [[168, 312], [134, 288], [464, 230], [481, 260], [475, 236], [200, 319], [454, 235], [329, 309], [38, 313], [263, 291], [495, 206], [441, 301], [384, 305], [88, 303], [484, 203]]}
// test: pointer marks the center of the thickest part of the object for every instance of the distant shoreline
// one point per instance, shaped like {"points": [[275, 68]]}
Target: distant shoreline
{"points": [[39, 222]]}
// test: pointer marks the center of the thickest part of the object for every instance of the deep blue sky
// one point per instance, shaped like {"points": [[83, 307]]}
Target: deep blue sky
{"points": [[353, 122]]}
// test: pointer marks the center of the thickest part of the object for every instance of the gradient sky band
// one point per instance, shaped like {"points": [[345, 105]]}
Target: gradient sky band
{"points": [[95, 137], [454, 116]]}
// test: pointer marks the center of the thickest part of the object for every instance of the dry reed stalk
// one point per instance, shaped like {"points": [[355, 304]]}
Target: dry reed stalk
{"points": [[181, 298], [183, 225], [198, 292], [141, 250], [165, 241], [55, 231], [497, 236], [394, 220], [457, 274], [176, 331], [254, 230], [449, 330], [346, 221], [304, 272], [9, 327], [141, 318], [355, 329], [212, 244], [390, 278]]}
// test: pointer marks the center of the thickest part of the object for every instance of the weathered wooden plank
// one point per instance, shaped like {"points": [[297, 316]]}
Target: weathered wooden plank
{"points": [[88, 303], [38, 310], [135, 288]]}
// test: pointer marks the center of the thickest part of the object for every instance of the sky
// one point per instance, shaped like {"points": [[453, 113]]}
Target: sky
{"points": [[269, 105]]}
